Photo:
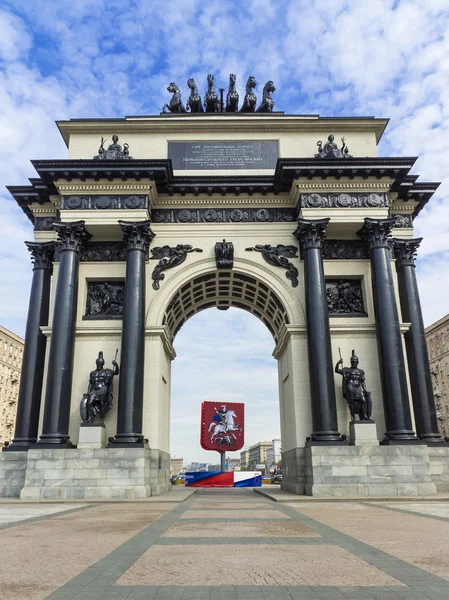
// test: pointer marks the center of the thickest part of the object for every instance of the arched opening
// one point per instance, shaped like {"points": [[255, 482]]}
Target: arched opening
{"points": [[223, 356], [225, 289]]}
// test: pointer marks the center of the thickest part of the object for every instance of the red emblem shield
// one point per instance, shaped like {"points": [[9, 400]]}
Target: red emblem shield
{"points": [[222, 426]]}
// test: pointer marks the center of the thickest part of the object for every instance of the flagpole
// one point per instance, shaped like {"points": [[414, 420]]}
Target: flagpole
{"points": [[223, 461]]}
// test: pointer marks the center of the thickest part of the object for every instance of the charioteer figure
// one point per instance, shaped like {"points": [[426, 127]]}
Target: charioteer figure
{"points": [[98, 400], [354, 389]]}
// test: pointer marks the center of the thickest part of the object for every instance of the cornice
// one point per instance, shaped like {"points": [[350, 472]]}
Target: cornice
{"points": [[43, 210], [100, 188], [221, 122]]}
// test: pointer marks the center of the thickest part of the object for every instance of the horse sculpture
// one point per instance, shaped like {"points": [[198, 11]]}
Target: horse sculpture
{"points": [[194, 101], [232, 97], [267, 103], [249, 102], [176, 105], [211, 102]]}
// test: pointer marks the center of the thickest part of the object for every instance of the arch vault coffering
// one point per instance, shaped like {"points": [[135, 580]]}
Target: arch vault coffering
{"points": [[225, 289]]}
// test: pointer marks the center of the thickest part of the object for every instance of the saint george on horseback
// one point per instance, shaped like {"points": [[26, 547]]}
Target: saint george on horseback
{"points": [[249, 102], [194, 100], [211, 102], [267, 103], [232, 97], [176, 105]]}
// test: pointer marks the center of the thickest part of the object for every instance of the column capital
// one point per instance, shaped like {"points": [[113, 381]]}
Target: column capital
{"points": [[41, 254], [405, 251], [311, 232], [375, 232], [72, 236], [137, 234]]}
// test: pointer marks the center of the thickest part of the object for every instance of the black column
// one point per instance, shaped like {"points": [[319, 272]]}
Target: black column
{"points": [[30, 390], [55, 428], [137, 237], [310, 234], [398, 418], [415, 343]]}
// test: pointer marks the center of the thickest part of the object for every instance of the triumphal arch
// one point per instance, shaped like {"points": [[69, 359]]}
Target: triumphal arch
{"points": [[150, 220]]}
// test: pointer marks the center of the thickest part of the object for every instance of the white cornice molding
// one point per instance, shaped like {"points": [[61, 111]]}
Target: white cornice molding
{"points": [[402, 207], [100, 188], [43, 210]]}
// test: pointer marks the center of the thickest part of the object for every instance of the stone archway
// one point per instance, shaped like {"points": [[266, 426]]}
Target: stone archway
{"points": [[272, 304]]}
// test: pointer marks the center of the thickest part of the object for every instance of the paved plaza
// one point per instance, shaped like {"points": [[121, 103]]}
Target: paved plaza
{"points": [[225, 544]]}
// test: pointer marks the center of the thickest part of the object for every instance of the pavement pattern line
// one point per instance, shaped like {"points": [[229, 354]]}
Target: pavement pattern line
{"points": [[177, 541], [421, 581], [97, 581], [414, 513], [44, 517]]}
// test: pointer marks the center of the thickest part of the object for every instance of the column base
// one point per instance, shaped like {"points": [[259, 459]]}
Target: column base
{"points": [[18, 445], [127, 441], [433, 439], [326, 438]]}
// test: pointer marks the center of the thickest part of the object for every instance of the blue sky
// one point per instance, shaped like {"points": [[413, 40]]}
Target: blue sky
{"points": [[90, 58]]}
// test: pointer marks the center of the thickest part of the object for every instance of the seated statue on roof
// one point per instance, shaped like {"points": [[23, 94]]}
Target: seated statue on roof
{"points": [[331, 150]]}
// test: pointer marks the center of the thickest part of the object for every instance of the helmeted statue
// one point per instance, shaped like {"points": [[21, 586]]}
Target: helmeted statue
{"points": [[354, 389], [98, 400]]}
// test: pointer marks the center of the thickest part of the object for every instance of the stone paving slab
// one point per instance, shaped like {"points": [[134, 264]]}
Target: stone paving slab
{"points": [[253, 564], [236, 514], [12, 513], [240, 529], [414, 538]]}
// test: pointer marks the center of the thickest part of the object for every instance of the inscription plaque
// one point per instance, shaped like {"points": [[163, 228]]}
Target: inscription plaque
{"points": [[198, 156]]}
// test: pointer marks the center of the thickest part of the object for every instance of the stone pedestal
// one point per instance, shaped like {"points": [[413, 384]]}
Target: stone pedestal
{"points": [[363, 433], [92, 435], [97, 474], [12, 473]]}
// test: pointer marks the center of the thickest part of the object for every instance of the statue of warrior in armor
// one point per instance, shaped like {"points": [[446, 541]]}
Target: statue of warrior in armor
{"points": [[354, 389], [98, 400]]}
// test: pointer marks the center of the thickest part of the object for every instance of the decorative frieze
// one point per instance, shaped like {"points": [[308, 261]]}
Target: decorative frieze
{"points": [[44, 223], [343, 200], [403, 220], [278, 257], [223, 215], [105, 202], [344, 250], [168, 258], [345, 298], [105, 300], [101, 252]]}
